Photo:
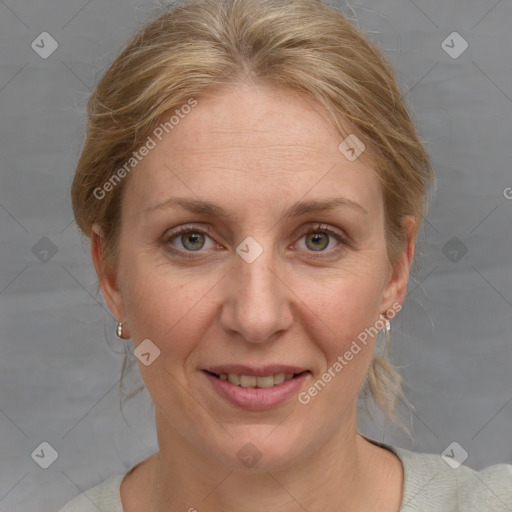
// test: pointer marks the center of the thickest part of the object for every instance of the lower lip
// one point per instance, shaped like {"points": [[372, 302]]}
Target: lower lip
{"points": [[257, 399]]}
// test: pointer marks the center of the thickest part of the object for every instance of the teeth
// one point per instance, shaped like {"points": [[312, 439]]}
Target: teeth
{"points": [[247, 381], [279, 378], [264, 382], [250, 381], [234, 379]]}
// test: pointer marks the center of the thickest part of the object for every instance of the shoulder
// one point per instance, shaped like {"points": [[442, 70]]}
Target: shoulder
{"points": [[104, 496], [431, 484]]}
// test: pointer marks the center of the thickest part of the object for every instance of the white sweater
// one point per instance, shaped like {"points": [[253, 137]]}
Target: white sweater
{"points": [[430, 485]]}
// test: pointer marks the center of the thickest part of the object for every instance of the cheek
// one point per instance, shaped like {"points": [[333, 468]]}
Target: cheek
{"points": [[343, 306], [345, 334], [167, 312], [164, 306], [174, 307]]}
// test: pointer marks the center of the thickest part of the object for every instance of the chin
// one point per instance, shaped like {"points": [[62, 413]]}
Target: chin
{"points": [[260, 448]]}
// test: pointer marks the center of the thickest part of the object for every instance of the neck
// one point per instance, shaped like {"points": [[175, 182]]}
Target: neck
{"points": [[345, 473]]}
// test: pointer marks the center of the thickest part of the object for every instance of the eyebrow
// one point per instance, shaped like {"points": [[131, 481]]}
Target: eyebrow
{"points": [[297, 209]]}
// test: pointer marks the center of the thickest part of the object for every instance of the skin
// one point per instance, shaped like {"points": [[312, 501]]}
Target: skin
{"points": [[255, 151]]}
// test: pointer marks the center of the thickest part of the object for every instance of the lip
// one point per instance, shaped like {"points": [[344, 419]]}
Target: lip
{"points": [[262, 371], [256, 399]]}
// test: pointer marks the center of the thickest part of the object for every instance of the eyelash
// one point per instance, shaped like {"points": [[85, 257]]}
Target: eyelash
{"points": [[320, 228]]}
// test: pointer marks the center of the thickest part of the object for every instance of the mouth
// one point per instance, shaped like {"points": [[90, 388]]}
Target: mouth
{"points": [[255, 389], [254, 381]]}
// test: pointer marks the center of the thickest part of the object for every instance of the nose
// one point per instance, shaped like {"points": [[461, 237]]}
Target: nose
{"points": [[258, 302]]}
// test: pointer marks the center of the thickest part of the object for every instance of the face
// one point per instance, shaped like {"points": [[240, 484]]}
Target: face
{"points": [[270, 259]]}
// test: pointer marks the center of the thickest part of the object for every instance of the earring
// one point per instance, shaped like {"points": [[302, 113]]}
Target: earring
{"points": [[387, 327], [119, 330]]}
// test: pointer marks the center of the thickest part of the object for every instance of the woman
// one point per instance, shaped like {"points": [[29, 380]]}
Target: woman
{"points": [[252, 185]]}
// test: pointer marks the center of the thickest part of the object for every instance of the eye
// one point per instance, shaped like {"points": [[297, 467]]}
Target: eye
{"points": [[187, 239], [319, 238]]}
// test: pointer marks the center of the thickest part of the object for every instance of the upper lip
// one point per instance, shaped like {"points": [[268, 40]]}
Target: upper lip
{"points": [[260, 371]]}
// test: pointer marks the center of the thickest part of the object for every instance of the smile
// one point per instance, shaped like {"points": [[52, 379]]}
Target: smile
{"points": [[255, 392], [251, 381]]}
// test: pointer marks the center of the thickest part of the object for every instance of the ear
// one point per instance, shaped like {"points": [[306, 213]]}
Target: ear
{"points": [[106, 276], [396, 287]]}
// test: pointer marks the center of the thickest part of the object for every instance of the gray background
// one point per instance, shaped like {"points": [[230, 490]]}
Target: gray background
{"points": [[60, 361]]}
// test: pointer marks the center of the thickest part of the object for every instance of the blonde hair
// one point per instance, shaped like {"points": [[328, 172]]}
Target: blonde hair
{"points": [[304, 45]]}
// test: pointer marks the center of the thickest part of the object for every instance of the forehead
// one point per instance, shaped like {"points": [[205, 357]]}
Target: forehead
{"points": [[249, 144]]}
